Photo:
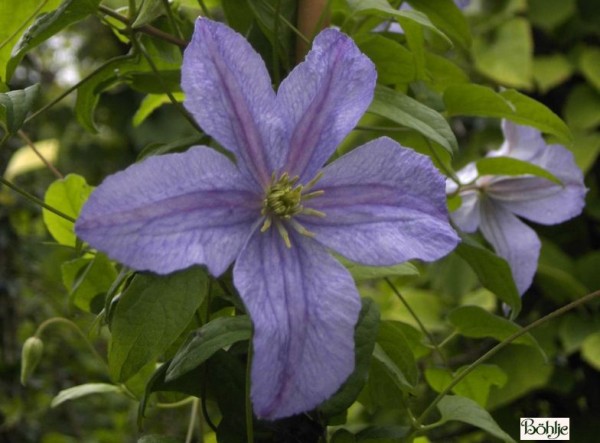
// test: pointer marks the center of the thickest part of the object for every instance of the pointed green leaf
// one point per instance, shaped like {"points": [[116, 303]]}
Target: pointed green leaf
{"points": [[408, 112], [152, 102], [395, 63], [446, 16], [88, 278], [217, 334], [476, 322], [152, 312], [14, 106], [455, 408], [46, 25], [383, 9], [476, 385], [481, 101], [363, 272], [68, 196], [82, 391], [512, 166], [507, 57], [493, 272], [15, 16], [395, 356]]}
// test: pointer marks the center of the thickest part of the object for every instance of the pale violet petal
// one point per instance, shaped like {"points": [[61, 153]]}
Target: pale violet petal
{"points": [[304, 307], [229, 92], [172, 211], [466, 217], [324, 97], [541, 200], [513, 240], [383, 204]]}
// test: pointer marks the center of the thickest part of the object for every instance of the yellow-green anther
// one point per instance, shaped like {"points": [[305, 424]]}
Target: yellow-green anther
{"points": [[284, 234], [31, 355], [310, 211], [283, 200]]}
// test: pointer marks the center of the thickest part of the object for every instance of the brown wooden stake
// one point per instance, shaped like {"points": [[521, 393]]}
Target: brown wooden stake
{"points": [[312, 17]]}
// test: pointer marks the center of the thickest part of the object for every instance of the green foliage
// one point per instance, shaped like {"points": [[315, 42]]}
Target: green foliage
{"points": [[408, 112], [47, 25], [453, 407], [512, 166], [68, 196], [151, 313], [14, 106]]}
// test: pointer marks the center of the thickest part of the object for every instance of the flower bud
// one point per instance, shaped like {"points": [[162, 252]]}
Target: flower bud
{"points": [[31, 355]]}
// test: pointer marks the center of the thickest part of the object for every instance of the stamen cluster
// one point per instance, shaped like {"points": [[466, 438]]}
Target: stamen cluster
{"points": [[283, 200]]}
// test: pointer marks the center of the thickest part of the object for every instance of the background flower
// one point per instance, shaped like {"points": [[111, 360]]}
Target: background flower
{"points": [[492, 203]]}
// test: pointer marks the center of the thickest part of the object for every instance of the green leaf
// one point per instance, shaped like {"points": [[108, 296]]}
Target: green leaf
{"points": [[14, 19], [362, 272], [590, 350], [465, 410], [507, 58], [147, 12], [152, 312], [45, 26], [550, 71], [408, 112], [446, 16], [365, 335], [83, 390], [493, 272], [217, 334], [475, 322], [152, 102], [532, 113], [582, 109], [394, 354], [589, 64], [526, 371], [548, 14], [88, 278], [481, 101], [574, 329], [395, 63], [382, 8], [88, 94], [14, 106], [512, 166], [68, 196], [476, 385]]}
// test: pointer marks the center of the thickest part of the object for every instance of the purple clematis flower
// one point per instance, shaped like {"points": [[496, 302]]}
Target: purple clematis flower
{"points": [[492, 203], [277, 211]]}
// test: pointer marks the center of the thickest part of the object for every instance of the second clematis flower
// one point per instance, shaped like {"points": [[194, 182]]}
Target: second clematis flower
{"points": [[277, 211], [493, 204]]}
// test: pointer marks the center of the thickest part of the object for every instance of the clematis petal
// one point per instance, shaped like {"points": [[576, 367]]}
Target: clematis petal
{"points": [[520, 142], [466, 217], [172, 211], [512, 239], [324, 97], [229, 92], [304, 306], [540, 200], [383, 204]]}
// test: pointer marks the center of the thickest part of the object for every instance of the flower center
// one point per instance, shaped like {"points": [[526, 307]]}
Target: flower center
{"points": [[283, 200]]}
